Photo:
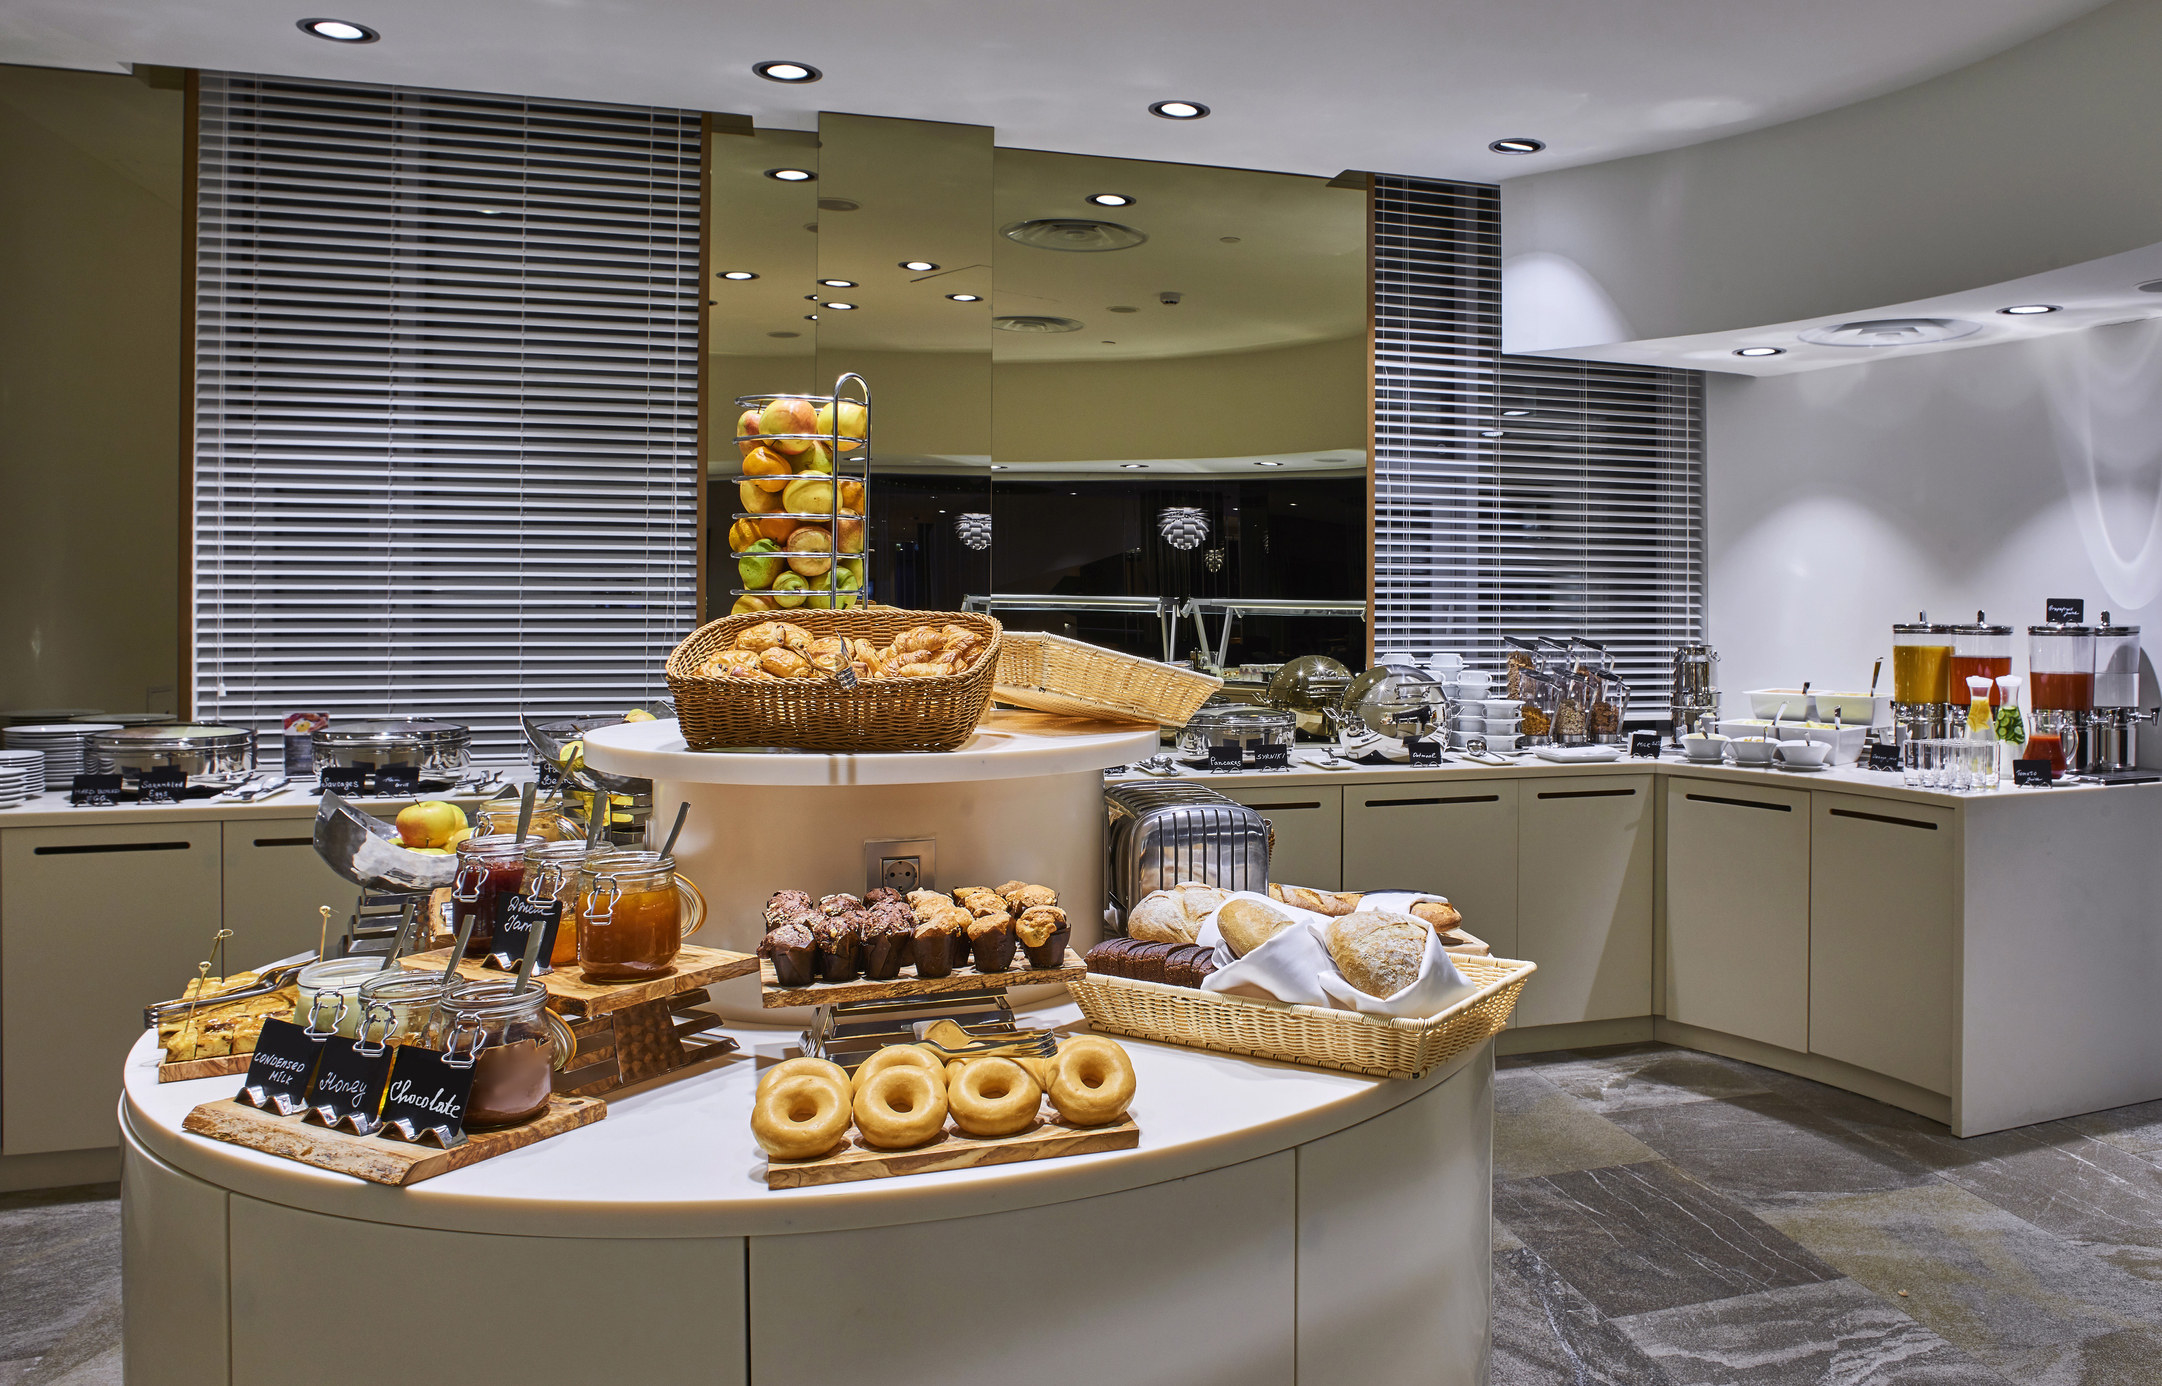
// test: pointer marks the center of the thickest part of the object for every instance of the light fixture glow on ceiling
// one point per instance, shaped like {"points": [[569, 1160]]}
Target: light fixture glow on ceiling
{"points": [[1111, 199], [1178, 110], [1133, 466], [838, 283], [1890, 332], [1518, 145], [339, 30], [842, 307], [1761, 351], [787, 72], [737, 274], [966, 298], [2028, 310], [918, 266], [1000, 467], [791, 175], [1268, 464], [810, 317]]}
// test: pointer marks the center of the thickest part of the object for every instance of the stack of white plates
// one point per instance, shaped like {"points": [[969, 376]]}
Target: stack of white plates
{"points": [[43, 716], [22, 776], [65, 744]]}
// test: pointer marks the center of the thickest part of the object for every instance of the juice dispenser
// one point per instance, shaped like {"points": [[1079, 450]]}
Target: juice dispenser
{"points": [[1922, 705], [1980, 650], [2108, 745], [2060, 690]]}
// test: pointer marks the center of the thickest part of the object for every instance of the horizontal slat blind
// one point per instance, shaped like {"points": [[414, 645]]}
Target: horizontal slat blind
{"points": [[1521, 495], [446, 359]]}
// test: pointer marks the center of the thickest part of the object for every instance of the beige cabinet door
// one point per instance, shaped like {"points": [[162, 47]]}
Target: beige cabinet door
{"points": [[1454, 838], [95, 923], [274, 885], [1737, 887], [1309, 825], [1584, 868], [1881, 928]]}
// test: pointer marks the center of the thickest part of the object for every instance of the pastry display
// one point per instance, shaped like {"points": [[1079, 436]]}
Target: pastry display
{"points": [[1092, 1080], [216, 1028], [1247, 924], [934, 942], [1378, 951], [840, 948], [784, 650], [793, 949], [991, 941], [883, 934], [887, 936], [994, 1097]]}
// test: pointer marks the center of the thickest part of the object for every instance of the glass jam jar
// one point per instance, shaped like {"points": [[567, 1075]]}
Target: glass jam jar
{"points": [[634, 912], [330, 994], [396, 1005], [551, 873], [488, 866], [514, 1043]]}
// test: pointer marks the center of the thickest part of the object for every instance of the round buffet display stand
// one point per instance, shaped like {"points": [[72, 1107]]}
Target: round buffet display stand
{"points": [[1276, 1225], [1023, 799]]}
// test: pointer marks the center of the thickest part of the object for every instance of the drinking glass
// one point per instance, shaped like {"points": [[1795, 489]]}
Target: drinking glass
{"points": [[1987, 751], [1910, 763]]}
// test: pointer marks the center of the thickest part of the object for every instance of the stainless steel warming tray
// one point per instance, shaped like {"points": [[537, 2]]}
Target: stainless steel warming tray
{"points": [[1161, 834], [216, 756], [437, 747]]}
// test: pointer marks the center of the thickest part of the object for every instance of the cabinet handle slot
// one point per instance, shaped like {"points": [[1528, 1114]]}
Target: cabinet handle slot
{"points": [[1264, 808], [1737, 803], [1459, 799], [1884, 818], [112, 847], [285, 842], [1588, 794]]}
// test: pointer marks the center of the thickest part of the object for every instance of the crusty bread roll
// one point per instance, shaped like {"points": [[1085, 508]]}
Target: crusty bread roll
{"points": [[1158, 918], [1378, 951], [1319, 901], [1247, 924], [1438, 913]]}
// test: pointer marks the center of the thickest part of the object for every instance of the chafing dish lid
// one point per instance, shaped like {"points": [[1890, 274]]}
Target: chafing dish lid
{"points": [[175, 737], [393, 731]]}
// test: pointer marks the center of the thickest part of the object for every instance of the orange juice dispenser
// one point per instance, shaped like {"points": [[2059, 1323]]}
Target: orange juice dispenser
{"points": [[1922, 706]]}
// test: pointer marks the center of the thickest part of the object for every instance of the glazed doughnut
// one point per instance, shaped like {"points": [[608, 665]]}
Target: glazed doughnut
{"points": [[900, 1105], [1093, 1083], [788, 1068], [910, 1055], [800, 1117], [994, 1097]]}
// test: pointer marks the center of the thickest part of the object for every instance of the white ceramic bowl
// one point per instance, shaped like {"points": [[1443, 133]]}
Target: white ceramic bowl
{"points": [[1804, 753], [1704, 748], [1475, 682], [1474, 726], [1752, 750], [1500, 707]]}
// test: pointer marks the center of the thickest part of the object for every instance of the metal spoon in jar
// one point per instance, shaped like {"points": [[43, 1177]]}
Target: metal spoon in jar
{"points": [[683, 811]]}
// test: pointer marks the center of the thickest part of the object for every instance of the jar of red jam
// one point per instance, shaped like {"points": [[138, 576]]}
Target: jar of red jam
{"points": [[634, 912], [513, 1043], [487, 867]]}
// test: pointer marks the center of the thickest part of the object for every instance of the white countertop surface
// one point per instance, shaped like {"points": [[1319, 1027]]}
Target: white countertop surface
{"points": [[675, 1158]]}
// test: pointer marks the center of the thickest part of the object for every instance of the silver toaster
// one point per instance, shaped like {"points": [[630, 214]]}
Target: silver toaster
{"points": [[1161, 834]]}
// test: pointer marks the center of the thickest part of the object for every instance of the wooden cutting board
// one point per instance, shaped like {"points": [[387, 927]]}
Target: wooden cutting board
{"points": [[1047, 1140], [373, 1158], [908, 984], [570, 994]]}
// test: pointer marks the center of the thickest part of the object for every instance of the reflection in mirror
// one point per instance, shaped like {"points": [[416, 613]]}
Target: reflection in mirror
{"points": [[1180, 362]]}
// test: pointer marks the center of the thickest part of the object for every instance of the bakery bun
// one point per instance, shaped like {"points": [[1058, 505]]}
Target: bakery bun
{"points": [[1378, 951], [1439, 913], [1158, 919], [1327, 902], [1247, 924]]}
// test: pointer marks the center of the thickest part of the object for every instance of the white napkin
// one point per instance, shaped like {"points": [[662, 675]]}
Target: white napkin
{"points": [[1287, 968], [1437, 987]]}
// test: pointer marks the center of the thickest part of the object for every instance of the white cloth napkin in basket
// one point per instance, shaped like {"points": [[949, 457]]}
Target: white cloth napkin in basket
{"points": [[1295, 966]]}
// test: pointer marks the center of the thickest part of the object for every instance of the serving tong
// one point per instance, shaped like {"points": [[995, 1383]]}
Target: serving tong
{"points": [[269, 979], [1038, 1044]]}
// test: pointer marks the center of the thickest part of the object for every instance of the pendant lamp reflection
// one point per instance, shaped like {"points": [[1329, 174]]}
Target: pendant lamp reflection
{"points": [[1182, 526], [974, 527], [1213, 560]]}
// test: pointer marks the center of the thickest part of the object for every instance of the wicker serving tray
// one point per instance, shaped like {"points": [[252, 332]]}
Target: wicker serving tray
{"points": [[1051, 673], [818, 714], [1311, 1035]]}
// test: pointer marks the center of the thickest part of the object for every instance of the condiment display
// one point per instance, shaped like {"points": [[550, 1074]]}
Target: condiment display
{"points": [[514, 1045], [799, 538], [633, 914], [487, 867], [783, 650]]}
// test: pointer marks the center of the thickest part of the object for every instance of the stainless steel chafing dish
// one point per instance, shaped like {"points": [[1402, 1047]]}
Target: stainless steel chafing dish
{"points": [[216, 756], [1162, 834], [433, 747]]}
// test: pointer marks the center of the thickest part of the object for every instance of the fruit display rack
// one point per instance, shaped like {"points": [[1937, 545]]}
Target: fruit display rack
{"points": [[803, 479]]}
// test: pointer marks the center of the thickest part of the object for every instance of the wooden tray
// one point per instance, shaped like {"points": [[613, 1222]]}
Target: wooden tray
{"points": [[1046, 1141], [373, 1158], [570, 994], [908, 984]]}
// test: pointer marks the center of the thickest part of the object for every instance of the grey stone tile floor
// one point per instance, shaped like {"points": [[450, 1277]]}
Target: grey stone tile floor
{"points": [[60, 1287], [1669, 1218]]}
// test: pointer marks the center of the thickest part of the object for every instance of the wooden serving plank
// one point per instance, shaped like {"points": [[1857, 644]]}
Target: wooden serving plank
{"points": [[216, 1066], [908, 984], [373, 1158], [1046, 1141], [570, 994]]}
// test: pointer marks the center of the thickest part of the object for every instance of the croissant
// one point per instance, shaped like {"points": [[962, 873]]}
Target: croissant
{"points": [[762, 637], [920, 638], [795, 637], [827, 651], [731, 664], [925, 671], [785, 663]]}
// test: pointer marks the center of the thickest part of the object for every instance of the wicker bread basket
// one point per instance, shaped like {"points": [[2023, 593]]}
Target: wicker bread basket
{"points": [[818, 714], [1053, 674], [1313, 1035]]}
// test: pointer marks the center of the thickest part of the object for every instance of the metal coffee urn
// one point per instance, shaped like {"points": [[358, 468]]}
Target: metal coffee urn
{"points": [[1694, 690]]}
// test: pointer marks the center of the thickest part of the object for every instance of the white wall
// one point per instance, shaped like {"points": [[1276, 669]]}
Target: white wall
{"points": [[1843, 500]]}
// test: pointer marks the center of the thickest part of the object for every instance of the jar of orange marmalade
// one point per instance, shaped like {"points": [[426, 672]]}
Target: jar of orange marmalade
{"points": [[634, 912]]}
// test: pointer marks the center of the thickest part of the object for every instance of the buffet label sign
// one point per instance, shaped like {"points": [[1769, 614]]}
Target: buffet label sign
{"points": [[398, 781], [280, 1069], [349, 780], [1272, 757], [426, 1099], [1884, 756], [1227, 758], [349, 1083], [163, 786], [2065, 611], [2034, 774], [1424, 752], [94, 791], [516, 917]]}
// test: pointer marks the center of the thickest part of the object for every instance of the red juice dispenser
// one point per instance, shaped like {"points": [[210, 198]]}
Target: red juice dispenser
{"points": [[2060, 690]]}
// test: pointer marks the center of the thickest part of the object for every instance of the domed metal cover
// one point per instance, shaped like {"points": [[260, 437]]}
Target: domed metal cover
{"points": [[1397, 701]]}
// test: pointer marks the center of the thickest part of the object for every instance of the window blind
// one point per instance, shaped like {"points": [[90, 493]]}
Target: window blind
{"points": [[446, 371], [1520, 495]]}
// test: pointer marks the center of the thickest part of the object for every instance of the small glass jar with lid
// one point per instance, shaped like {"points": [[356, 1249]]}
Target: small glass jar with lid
{"points": [[489, 865], [634, 912], [396, 1005], [513, 1042], [330, 994], [551, 872]]}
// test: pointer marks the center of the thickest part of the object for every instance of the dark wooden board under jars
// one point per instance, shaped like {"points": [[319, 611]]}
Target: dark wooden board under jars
{"points": [[1046, 1140], [962, 979], [570, 994], [373, 1158]]}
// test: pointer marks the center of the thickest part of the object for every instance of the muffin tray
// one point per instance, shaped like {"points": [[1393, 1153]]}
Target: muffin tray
{"points": [[963, 979], [1047, 1139]]}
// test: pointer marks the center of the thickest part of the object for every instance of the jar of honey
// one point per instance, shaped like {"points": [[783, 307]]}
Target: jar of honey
{"points": [[488, 866], [551, 873], [513, 1043], [634, 912]]}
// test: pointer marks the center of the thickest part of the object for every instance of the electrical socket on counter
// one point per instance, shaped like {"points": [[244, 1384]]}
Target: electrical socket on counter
{"points": [[905, 864]]}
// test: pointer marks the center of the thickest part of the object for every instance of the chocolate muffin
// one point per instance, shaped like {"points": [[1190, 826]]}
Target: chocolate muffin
{"points": [[785, 905], [794, 953], [881, 895], [886, 942], [840, 949], [833, 906]]}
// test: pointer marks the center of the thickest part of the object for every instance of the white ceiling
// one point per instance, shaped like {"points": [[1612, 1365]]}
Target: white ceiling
{"points": [[1414, 87]]}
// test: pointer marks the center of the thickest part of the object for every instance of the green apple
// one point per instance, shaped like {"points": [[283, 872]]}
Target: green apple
{"points": [[756, 570], [790, 588], [815, 458]]}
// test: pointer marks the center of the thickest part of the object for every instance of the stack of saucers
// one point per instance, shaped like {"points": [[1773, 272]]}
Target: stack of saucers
{"points": [[65, 744], [22, 776]]}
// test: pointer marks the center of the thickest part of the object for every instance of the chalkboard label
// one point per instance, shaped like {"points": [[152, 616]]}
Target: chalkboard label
{"points": [[1272, 757], [1884, 756], [94, 791], [2065, 611], [1226, 758], [349, 1083], [2034, 774], [398, 781], [163, 786], [349, 780], [280, 1069], [516, 917], [1644, 745], [1424, 752], [426, 1099], [547, 775]]}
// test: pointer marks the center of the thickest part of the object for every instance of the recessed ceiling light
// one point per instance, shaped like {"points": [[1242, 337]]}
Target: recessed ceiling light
{"points": [[1111, 199], [1761, 351], [838, 283], [838, 204], [810, 317], [339, 30], [842, 307], [966, 298], [1229, 240], [791, 175], [787, 72], [1133, 466], [1520, 145], [2028, 310], [918, 266], [737, 274], [1178, 110], [1268, 464]]}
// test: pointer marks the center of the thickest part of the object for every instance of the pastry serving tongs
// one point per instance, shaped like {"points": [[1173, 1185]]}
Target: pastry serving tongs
{"points": [[949, 1039], [269, 978]]}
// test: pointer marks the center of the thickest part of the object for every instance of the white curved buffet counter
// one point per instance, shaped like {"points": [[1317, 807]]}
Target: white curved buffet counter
{"points": [[1275, 1225]]}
